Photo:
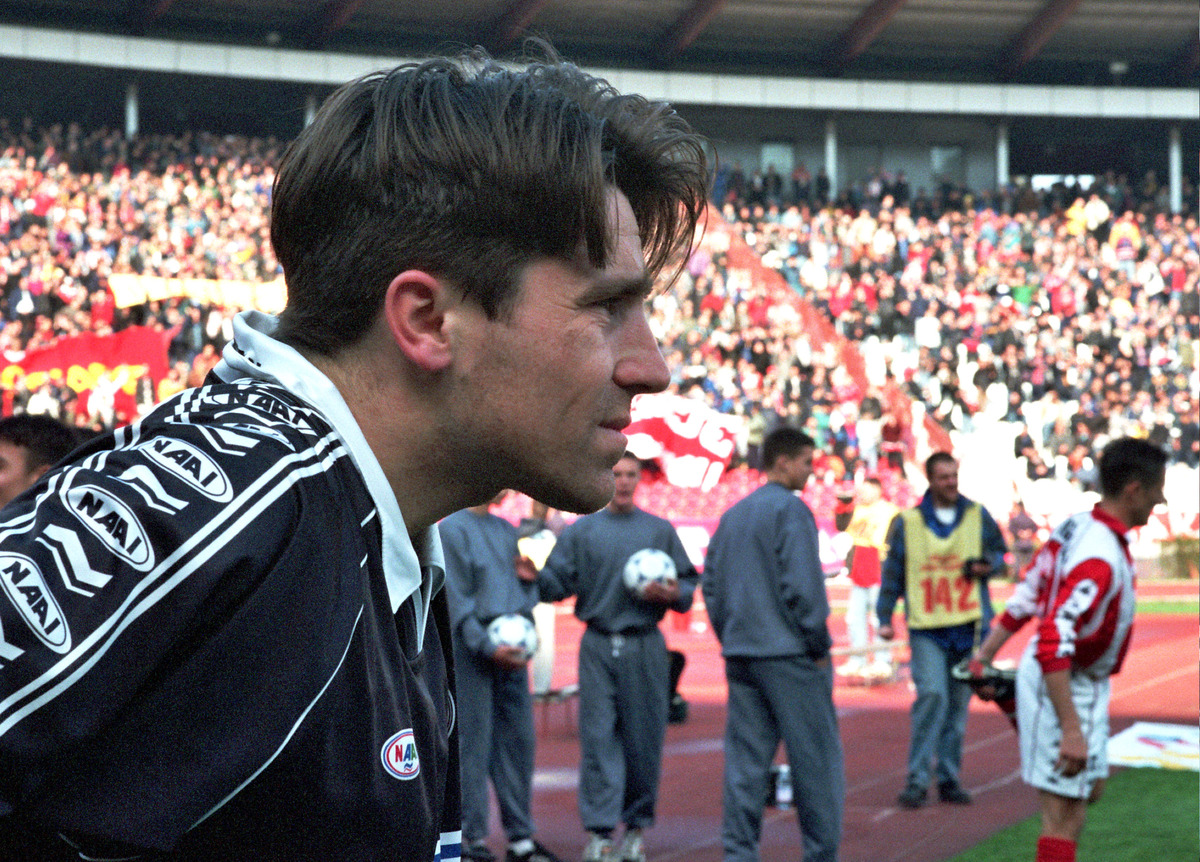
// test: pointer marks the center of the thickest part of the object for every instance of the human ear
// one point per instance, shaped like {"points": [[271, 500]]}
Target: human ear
{"points": [[414, 308]]}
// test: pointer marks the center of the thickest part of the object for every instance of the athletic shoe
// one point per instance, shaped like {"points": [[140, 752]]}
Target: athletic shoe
{"points": [[477, 852], [599, 848], [531, 852], [631, 847], [952, 792], [912, 797]]}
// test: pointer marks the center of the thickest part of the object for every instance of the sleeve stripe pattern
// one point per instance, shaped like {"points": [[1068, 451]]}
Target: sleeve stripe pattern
{"points": [[1088, 599], [239, 515], [1069, 612]]}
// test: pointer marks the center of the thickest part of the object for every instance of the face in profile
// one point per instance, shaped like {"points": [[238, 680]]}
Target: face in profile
{"points": [[543, 395], [802, 467], [1145, 497]]}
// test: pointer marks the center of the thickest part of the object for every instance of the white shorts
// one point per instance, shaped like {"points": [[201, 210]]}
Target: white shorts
{"points": [[1040, 735]]}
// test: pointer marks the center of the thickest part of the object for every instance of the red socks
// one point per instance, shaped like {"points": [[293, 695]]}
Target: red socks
{"points": [[1050, 849]]}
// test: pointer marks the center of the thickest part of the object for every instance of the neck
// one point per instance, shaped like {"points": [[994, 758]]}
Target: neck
{"points": [[414, 454], [779, 477], [1113, 507]]}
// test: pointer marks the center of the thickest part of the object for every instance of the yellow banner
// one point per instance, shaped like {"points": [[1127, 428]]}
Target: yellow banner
{"points": [[129, 289]]}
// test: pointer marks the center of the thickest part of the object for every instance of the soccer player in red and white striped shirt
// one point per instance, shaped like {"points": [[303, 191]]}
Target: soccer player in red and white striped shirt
{"points": [[1080, 589]]}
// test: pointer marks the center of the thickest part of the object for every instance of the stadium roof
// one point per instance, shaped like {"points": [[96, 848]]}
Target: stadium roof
{"points": [[1149, 43]]}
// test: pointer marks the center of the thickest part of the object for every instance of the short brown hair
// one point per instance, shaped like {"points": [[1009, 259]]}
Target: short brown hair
{"points": [[935, 459], [1130, 459], [785, 442], [46, 441], [470, 170]]}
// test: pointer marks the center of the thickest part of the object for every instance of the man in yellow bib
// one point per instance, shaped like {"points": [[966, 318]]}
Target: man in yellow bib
{"points": [[940, 555]]}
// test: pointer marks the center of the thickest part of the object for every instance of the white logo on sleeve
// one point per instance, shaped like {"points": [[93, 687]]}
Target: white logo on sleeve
{"points": [[113, 523], [399, 756], [26, 589], [191, 465]]}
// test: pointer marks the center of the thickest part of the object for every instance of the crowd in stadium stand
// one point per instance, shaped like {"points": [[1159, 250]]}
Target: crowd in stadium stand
{"points": [[1073, 312]]}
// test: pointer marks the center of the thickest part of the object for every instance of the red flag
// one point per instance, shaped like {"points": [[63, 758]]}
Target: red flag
{"points": [[691, 442]]}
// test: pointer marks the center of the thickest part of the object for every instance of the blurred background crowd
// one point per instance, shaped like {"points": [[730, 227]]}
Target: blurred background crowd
{"points": [[883, 319]]}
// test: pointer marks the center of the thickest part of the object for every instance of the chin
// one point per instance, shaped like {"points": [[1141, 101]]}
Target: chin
{"points": [[613, 447], [585, 504], [579, 505], [577, 497]]}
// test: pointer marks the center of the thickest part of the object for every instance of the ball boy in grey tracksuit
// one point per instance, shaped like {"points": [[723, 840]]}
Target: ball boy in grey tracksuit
{"points": [[494, 710], [765, 594], [623, 665]]}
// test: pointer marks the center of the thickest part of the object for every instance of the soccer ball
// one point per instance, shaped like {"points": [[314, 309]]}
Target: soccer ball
{"points": [[649, 565], [514, 630]]}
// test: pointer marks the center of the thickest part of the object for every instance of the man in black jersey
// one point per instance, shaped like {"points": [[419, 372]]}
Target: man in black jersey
{"points": [[222, 629]]}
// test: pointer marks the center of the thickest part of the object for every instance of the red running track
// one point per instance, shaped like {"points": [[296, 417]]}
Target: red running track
{"points": [[1160, 682]]}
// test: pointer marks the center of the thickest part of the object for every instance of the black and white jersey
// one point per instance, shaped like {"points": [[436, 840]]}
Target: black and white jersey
{"points": [[214, 645]]}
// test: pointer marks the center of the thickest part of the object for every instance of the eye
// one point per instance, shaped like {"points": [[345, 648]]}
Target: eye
{"points": [[617, 307]]}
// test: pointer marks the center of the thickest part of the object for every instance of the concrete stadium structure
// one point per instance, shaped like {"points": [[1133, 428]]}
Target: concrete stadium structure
{"points": [[947, 91]]}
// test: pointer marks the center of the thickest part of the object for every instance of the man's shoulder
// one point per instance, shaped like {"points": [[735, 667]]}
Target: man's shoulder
{"points": [[582, 522], [651, 518], [232, 417], [454, 523], [578, 530], [243, 431], [983, 510], [204, 456], [914, 515], [502, 525], [736, 510], [1089, 535], [768, 496], [988, 519]]}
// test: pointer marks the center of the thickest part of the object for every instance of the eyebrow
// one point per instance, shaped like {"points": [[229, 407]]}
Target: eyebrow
{"points": [[610, 288]]}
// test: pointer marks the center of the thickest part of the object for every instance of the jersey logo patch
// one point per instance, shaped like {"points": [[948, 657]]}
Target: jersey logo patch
{"points": [[113, 523], [399, 756], [192, 466], [25, 587]]}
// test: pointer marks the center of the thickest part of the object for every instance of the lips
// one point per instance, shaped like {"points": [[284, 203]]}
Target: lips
{"points": [[616, 435]]}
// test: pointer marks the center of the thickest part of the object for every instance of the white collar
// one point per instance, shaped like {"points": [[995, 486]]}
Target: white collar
{"points": [[945, 514], [255, 354]]}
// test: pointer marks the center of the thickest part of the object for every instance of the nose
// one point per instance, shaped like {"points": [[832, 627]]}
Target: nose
{"points": [[640, 366]]}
